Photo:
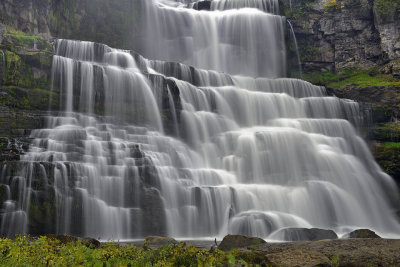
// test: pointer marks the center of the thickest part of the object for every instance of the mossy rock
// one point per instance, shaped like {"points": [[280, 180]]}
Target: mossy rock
{"points": [[388, 157], [239, 241], [363, 233]]}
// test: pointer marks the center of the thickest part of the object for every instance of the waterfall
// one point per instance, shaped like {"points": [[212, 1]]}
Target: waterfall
{"points": [[294, 40], [246, 41], [155, 146]]}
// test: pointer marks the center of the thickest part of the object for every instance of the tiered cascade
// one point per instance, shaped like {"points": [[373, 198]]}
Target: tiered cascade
{"points": [[156, 147]]}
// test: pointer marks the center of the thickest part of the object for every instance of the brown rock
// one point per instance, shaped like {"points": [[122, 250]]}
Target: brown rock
{"points": [[298, 257]]}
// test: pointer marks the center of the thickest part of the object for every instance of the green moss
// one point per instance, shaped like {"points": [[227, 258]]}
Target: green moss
{"points": [[357, 77]]}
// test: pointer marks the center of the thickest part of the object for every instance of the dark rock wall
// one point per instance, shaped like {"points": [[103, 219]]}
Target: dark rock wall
{"points": [[343, 34], [112, 22]]}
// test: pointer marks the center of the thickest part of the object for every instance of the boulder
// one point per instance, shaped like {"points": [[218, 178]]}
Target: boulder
{"points": [[65, 239], [363, 233], [305, 234], [238, 241], [159, 241]]}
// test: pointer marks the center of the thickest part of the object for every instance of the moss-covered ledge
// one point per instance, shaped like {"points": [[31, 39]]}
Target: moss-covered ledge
{"points": [[25, 84]]}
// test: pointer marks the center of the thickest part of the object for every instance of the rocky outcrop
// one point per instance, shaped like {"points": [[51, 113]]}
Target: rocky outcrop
{"points": [[238, 241], [338, 252], [343, 34]]}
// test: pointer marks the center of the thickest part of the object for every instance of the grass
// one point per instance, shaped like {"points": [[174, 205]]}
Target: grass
{"points": [[356, 77]]}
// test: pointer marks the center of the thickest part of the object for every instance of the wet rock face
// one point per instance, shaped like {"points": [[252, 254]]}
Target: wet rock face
{"points": [[350, 34], [202, 5], [74, 19], [238, 241]]}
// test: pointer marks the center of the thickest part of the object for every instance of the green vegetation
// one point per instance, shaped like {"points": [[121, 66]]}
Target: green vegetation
{"points": [[44, 251], [22, 38], [332, 5], [392, 144], [387, 8], [355, 76], [388, 157]]}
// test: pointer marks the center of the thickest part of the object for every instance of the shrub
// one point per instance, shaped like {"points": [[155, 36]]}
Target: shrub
{"points": [[333, 5]]}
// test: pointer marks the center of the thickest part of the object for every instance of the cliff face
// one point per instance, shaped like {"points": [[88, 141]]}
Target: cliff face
{"points": [[343, 34], [105, 21]]}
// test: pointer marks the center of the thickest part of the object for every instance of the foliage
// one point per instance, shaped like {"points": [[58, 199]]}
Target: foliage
{"points": [[354, 76], [44, 251], [387, 8], [332, 5]]}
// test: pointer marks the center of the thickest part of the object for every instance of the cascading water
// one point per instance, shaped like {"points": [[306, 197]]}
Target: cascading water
{"points": [[153, 147], [246, 41]]}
